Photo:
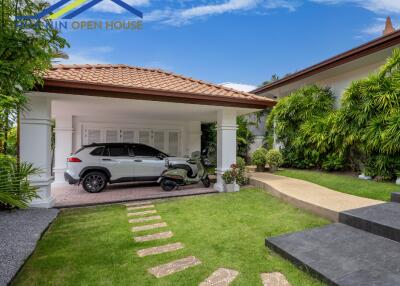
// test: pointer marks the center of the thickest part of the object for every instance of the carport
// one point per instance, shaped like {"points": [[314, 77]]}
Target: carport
{"points": [[119, 103]]}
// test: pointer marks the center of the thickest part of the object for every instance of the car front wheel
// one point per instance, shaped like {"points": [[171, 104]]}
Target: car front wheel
{"points": [[94, 182]]}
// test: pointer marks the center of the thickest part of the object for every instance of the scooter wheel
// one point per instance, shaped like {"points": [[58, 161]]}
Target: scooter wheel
{"points": [[167, 185], [206, 182]]}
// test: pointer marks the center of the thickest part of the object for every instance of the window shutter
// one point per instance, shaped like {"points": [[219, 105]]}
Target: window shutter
{"points": [[111, 136], [93, 136]]}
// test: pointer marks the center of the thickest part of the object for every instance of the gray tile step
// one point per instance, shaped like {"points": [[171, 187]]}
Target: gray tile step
{"points": [[395, 197], [382, 219], [342, 255]]}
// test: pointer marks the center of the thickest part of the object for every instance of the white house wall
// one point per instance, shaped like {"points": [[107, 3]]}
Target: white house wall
{"points": [[338, 78]]}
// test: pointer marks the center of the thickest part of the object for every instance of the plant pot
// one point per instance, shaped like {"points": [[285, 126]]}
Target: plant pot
{"points": [[230, 188], [273, 168], [364, 177], [260, 168]]}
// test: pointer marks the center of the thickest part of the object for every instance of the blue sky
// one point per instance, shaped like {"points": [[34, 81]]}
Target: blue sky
{"points": [[243, 41]]}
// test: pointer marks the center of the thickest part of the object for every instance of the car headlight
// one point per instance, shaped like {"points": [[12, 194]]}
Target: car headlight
{"points": [[166, 162]]}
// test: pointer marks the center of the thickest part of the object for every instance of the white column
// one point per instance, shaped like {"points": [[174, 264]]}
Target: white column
{"points": [[226, 144], [63, 146], [194, 137], [36, 146]]}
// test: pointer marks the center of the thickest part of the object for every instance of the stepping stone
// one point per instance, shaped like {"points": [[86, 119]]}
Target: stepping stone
{"points": [[155, 236], [160, 249], [146, 218], [140, 207], [274, 279], [138, 203], [174, 266], [221, 277], [142, 213], [149, 226]]}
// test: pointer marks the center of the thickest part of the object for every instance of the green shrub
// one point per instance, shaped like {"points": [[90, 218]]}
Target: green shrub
{"points": [[15, 188], [274, 159], [241, 176], [259, 158], [297, 116]]}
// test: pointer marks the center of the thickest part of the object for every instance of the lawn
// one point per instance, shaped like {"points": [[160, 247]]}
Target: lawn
{"points": [[345, 183], [94, 246]]}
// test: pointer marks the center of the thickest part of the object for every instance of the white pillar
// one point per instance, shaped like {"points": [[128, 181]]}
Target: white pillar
{"points": [[36, 146], [194, 137], [226, 144], [63, 146]]}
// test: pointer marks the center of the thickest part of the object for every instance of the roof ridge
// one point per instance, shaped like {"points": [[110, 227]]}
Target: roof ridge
{"points": [[81, 66]]}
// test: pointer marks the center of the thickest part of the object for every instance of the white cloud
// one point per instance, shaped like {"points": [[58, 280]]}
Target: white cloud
{"points": [[94, 55], [377, 6], [239, 86], [111, 7], [183, 16], [376, 28]]}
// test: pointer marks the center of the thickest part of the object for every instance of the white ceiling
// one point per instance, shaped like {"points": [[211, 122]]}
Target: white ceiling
{"points": [[78, 105]]}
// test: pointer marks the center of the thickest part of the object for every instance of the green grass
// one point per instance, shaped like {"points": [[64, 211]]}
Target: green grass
{"points": [[94, 246], [345, 183]]}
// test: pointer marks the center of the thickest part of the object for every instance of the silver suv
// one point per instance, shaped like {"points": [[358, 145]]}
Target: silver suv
{"points": [[96, 165]]}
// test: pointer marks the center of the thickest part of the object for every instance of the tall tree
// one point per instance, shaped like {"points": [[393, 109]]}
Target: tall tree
{"points": [[26, 51]]}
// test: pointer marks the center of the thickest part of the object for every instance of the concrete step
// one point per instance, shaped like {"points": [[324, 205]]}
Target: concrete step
{"points": [[395, 197], [342, 255], [383, 219]]}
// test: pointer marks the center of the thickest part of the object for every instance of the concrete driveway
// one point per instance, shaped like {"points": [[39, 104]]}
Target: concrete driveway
{"points": [[71, 195]]}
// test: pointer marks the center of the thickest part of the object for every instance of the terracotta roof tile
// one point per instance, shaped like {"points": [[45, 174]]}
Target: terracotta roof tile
{"points": [[143, 78]]}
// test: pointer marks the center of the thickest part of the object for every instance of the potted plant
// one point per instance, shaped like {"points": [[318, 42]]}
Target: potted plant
{"points": [[274, 159], [259, 159], [229, 177], [397, 177]]}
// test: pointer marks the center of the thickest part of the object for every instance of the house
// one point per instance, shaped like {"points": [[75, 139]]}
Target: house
{"points": [[120, 103], [339, 71]]}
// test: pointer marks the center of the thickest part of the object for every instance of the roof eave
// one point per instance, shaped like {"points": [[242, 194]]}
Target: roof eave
{"points": [[89, 89], [351, 55]]}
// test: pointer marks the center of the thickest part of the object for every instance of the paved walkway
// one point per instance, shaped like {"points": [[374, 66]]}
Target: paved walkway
{"points": [[308, 196], [73, 196]]}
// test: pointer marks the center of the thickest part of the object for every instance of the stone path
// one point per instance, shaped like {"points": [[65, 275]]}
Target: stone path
{"points": [[138, 203], [142, 213], [155, 236], [140, 207], [274, 279], [160, 249], [221, 277], [174, 266], [311, 197], [165, 269], [149, 226], [146, 218]]}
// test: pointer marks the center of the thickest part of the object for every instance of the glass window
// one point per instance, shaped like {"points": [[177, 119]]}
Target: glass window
{"points": [[143, 150], [97, 152], [119, 151]]}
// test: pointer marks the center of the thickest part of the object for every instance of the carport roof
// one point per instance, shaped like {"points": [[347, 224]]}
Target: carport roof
{"points": [[125, 81]]}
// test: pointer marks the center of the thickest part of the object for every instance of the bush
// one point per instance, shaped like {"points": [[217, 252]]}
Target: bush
{"points": [[241, 176], [274, 159], [15, 189], [259, 158], [299, 120]]}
